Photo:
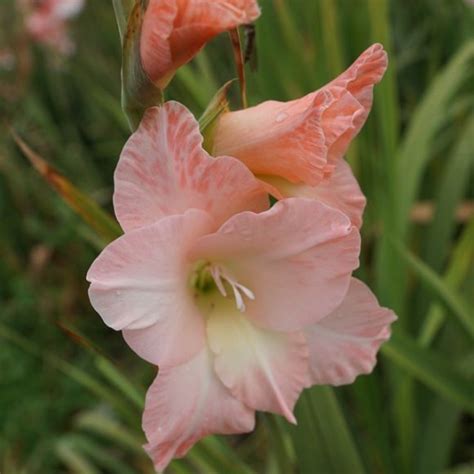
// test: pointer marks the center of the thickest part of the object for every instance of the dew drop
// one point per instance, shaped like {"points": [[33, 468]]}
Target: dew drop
{"points": [[281, 117]]}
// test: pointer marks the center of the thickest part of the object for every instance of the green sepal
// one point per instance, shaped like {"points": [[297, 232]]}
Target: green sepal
{"points": [[122, 10], [208, 121], [138, 91]]}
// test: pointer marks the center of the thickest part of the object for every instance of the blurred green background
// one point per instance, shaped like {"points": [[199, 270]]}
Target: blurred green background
{"points": [[67, 407]]}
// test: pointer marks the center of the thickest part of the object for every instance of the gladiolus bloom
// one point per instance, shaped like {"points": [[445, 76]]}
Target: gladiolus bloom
{"points": [[240, 305], [174, 31], [303, 141], [46, 21]]}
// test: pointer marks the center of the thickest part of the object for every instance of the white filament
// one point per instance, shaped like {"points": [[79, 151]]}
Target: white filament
{"points": [[219, 274]]}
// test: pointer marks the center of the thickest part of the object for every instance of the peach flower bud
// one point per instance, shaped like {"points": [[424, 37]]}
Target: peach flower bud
{"points": [[302, 140], [174, 31]]}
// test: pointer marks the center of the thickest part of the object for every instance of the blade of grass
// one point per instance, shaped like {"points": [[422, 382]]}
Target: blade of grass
{"points": [[430, 369], [322, 439], [213, 455], [113, 431], [91, 213], [449, 297], [76, 374], [281, 447], [415, 150], [461, 262], [98, 455], [450, 194], [73, 459]]}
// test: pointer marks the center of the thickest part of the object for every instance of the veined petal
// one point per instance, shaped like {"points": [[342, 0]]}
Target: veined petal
{"points": [[140, 282], [358, 81], [174, 31], [366, 71], [302, 140], [163, 170], [339, 190], [186, 403], [264, 369], [344, 344], [276, 138], [296, 258]]}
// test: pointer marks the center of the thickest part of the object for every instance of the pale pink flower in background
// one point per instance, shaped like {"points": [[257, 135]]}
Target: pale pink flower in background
{"points": [[302, 142], [241, 306], [174, 31], [47, 21]]}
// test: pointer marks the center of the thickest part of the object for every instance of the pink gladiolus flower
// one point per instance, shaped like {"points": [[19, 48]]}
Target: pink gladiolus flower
{"points": [[46, 21], [303, 141], [174, 31], [240, 305]]}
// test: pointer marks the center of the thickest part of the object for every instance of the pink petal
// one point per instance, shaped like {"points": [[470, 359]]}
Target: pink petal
{"points": [[344, 344], [297, 259], [185, 404], [359, 81], [266, 370], [276, 138], [140, 282], [163, 170], [340, 190], [302, 140], [174, 31]]}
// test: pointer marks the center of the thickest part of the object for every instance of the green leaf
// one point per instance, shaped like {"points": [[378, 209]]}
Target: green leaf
{"points": [[112, 431], [415, 150], [76, 462], [438, 436], [431, 369], [213, 455], [459, 266], [448, 296], [101, 222], [449, 196], [322, 439], [84, 379], [97, 454]]}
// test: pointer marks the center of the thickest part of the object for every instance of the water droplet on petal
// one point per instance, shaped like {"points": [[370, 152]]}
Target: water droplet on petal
{"points": [[281, 117]]}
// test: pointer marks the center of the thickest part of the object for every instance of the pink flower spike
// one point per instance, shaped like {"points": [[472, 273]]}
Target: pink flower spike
{"points": [[185, 404], [344, 344], [163, 170], [174, 31], [302, 140]]}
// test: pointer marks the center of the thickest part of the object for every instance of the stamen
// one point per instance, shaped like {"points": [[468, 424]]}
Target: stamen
{"points": [[216, 274], [219, 274]]}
